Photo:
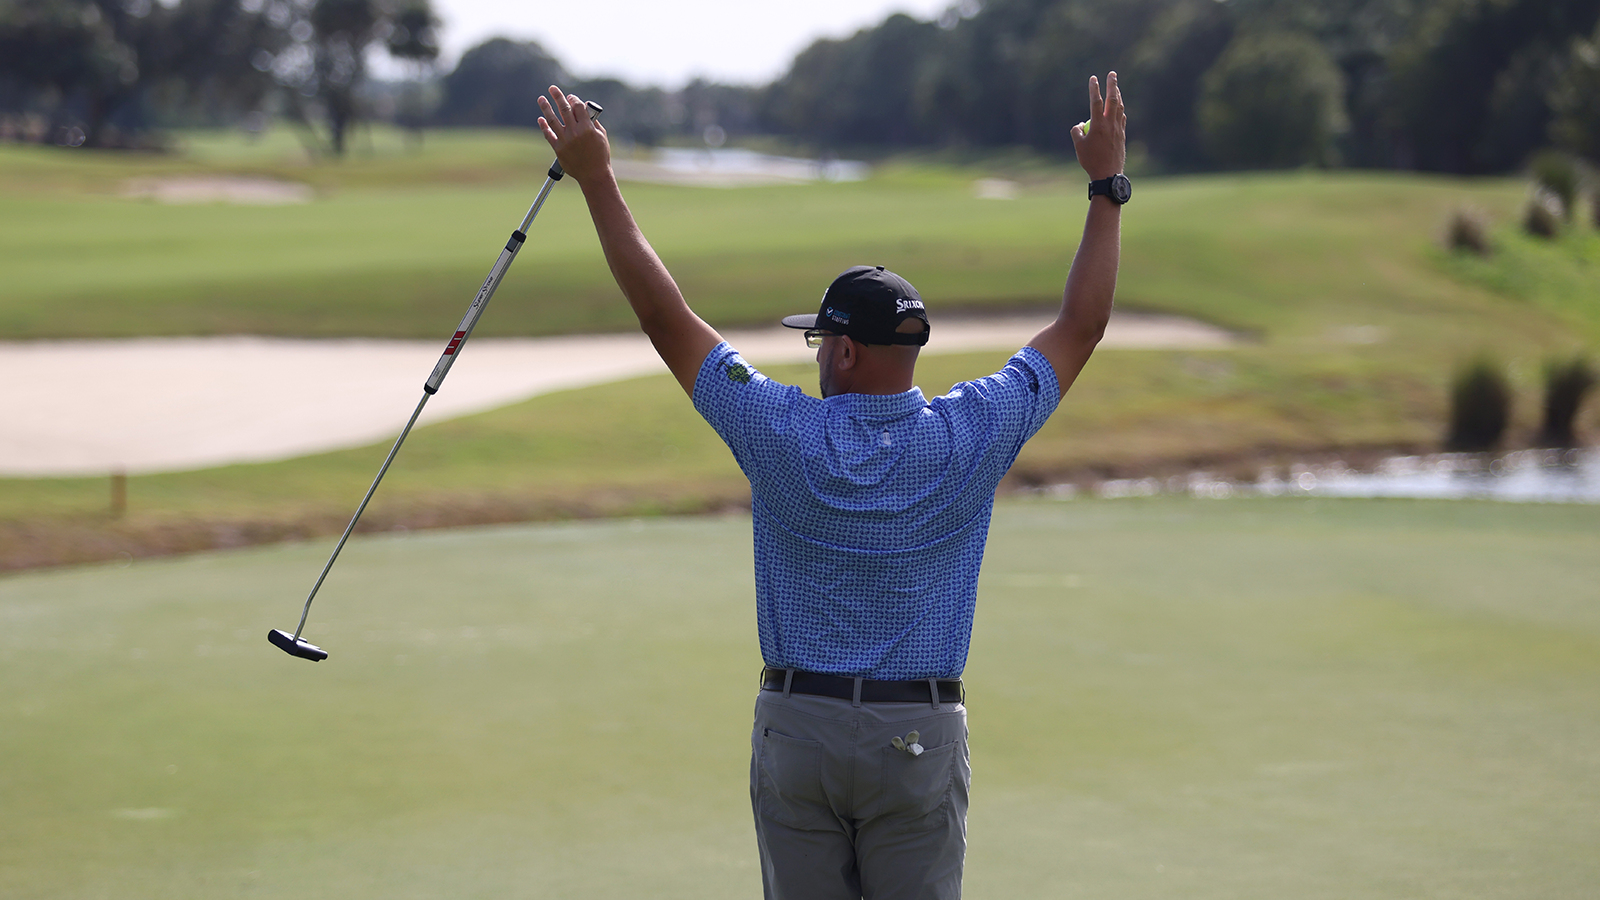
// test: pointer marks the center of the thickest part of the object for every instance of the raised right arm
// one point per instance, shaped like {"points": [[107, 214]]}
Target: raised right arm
{"points": [[680, 337]]}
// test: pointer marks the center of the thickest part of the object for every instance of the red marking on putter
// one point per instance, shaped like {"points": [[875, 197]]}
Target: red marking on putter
{"points": [[454, 343]]}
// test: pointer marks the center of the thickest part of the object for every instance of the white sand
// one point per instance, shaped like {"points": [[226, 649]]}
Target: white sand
{"points": [[241, 190], [168, 404]]}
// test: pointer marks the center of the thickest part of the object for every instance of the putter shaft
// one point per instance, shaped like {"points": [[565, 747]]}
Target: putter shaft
{"points": [[429, 388], [359, 510], [441, 369]]}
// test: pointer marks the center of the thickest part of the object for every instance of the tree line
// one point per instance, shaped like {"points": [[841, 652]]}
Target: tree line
{"points": [[1464, 86], [102, 72], [1460, 86]]}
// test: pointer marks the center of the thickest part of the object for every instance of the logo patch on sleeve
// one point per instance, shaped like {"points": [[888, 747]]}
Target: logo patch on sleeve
{"points": [[738, 374]]}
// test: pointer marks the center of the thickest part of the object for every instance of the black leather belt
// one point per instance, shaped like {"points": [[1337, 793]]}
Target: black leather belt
{"points": [[844, 687]]}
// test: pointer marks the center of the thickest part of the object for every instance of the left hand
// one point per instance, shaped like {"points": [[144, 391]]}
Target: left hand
{"points": [[1103, 152], [579, 141]]}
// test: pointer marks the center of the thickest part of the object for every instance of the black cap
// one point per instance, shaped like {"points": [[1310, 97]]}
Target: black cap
{"points": [[868, 303]]}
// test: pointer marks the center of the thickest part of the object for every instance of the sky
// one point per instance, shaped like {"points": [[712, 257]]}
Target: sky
{"points": [[667, 42]]}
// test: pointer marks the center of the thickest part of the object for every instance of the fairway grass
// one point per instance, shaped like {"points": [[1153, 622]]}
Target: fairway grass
{"points": [[1169, 698]]}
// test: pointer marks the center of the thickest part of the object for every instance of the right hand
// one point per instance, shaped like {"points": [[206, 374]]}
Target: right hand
{"points": [[1103, 152], [579, 141]]}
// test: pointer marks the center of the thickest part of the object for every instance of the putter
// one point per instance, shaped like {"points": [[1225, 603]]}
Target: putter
{"points": [[294, 644]]}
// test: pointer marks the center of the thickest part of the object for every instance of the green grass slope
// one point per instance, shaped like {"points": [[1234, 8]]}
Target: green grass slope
{"points": [[395, 245], [1207, 699]]}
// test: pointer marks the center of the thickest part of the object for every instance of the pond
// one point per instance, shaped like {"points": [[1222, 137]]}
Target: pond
{"points": [[1525, 476]]}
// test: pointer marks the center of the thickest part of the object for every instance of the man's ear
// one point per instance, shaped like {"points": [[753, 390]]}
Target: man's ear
{"points": [[849, 352]]}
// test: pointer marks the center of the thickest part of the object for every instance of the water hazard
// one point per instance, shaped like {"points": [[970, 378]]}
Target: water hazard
{"points": [[1526, 476]]}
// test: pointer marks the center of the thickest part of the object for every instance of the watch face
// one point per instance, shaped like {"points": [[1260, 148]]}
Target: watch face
{"points": [[1121, 188]]}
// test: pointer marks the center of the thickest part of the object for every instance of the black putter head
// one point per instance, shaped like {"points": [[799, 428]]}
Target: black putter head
{"points": [[300, 647]]}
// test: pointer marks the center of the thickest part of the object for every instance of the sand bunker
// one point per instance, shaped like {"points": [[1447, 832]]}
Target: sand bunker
{"points": [[167, 404], [218, 189]]}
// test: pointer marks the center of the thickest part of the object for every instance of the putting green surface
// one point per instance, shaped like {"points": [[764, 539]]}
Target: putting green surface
{"points": [[1168, 698]]}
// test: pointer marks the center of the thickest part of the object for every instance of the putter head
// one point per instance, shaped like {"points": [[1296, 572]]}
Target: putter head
{"points": [[293, 646]]}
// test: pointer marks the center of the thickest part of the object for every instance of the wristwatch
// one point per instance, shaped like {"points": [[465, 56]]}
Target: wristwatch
{"points": [[1117, 187]]}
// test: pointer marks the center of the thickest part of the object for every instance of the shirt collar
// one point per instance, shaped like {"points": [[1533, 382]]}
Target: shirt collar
{"points": [[877, 406]]}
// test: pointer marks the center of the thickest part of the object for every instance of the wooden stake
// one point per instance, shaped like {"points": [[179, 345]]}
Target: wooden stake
{"points": [[119, 493]]}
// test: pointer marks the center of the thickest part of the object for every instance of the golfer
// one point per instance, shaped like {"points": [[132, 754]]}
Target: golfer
{"points": [[871, 508]]}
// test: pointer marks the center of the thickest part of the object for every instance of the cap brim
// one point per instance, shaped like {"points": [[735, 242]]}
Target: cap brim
{"points": [[806, 320]]}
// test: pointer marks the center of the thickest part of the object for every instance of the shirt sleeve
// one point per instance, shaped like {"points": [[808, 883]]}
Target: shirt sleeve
{"points": [[1013, 403], [734, 397]]}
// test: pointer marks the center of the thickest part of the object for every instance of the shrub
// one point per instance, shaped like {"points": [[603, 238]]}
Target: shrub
{"points": [[1543, 216], [1557, 174], [1565, 384], [1468, 231], [1480, 406]]}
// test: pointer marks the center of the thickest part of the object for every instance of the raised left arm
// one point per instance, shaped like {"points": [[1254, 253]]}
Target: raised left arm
{"points": [[1092, 282]]}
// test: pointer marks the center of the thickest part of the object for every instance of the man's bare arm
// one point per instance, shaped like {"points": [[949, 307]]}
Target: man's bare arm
{"points": [[680, 337], [1092, 283]]}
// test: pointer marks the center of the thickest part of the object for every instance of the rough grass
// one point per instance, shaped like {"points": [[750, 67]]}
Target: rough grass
{"points": [[1208, 699], [1558, 277]]}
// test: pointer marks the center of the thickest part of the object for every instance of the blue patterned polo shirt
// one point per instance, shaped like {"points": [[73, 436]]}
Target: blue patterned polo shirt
{"points": [[871, 511]]}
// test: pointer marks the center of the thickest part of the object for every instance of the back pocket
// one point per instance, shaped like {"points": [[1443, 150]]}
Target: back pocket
{"points": [[916, 786], [791, 781]]}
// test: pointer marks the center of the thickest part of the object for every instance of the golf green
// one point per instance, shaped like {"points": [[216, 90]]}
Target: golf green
{"points": [[1168, 698]]}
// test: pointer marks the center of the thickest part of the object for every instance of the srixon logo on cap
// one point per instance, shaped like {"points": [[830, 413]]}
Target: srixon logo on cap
{"points": [[903, 304]]}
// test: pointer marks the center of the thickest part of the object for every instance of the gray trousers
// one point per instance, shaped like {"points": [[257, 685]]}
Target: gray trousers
{"points": [[842, 814]]}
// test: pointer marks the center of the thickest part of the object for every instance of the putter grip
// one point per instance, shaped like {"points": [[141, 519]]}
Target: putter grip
{"points": [[470, 320]]}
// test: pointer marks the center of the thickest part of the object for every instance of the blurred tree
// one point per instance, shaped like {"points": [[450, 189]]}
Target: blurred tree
{"points": [[975, 93], [1074, 40], [1360, 36], [640, 115], [864, 89], [1472, 81], [732, 108], [498, 82], [1575, 100], [327, 61], [1164, 74], [95, 64], [1272, 101]]}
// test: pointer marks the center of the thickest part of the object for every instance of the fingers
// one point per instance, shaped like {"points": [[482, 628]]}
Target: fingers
{"points": [[558, 110], [1114, 97], [563, 106], [549, 121], [565, 115], [582, 120], [1096, 104]]}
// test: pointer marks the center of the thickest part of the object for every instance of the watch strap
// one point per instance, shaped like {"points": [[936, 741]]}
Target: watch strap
{"points": [[1102, 187]]}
